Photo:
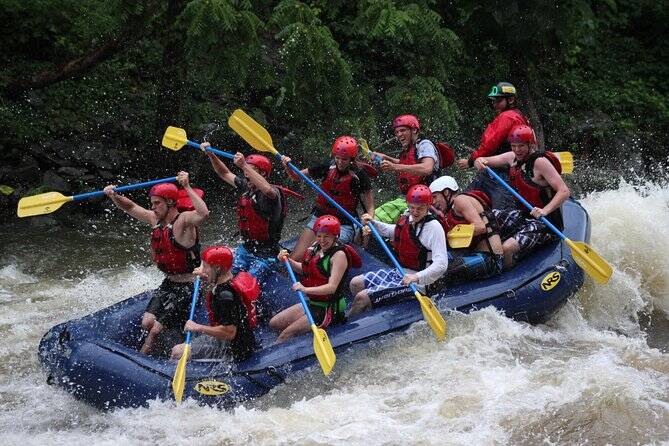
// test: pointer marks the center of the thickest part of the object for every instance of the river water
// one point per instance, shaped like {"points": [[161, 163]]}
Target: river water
{"points": [[597, 373]]}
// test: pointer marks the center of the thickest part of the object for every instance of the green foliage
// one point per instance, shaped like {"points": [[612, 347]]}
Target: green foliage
{"points": [[314, 69]]}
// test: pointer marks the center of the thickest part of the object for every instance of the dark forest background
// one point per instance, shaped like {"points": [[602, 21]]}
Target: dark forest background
{"points": [[88, 87]]}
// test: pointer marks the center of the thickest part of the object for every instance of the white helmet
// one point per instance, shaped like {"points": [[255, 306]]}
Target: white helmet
{"points": [[442, 183]]}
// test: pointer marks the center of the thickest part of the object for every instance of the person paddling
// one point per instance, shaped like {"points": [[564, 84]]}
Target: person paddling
{"points": [[261, 211], [323, 268], [175, 247], [494, 142], [230, 307], [345, 182], [418, 163], [420, 244], [483, 258], [535, 175]]}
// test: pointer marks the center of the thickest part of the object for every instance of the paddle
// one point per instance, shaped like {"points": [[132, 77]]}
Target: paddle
{"points": [[179, 380], [322, 347], [254, 134], [460, 236], [566, 161], [175, 138], [376, 159], [586, 257], [50, 201]]}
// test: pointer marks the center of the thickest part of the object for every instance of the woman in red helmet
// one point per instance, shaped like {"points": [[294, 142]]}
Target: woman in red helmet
{"points": [[419, 242], [323, 269], [418, 163], [345, 182], [535, 175], [176, 251], [261, 211], [230, 307]]}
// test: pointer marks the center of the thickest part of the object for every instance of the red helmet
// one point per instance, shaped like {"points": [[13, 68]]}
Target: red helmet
{"points": [[327, 223], [406, 121], [522, 134], [167, 191], [345, 147], [218, 255], [261, 162], [419, 194], [184, 202]]}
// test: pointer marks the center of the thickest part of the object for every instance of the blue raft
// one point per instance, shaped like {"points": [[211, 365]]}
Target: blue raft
{"points": [[96, 359]]}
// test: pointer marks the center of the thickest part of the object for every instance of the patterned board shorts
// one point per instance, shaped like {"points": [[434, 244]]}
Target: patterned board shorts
{"points": [[385, 287], [530, 233]]}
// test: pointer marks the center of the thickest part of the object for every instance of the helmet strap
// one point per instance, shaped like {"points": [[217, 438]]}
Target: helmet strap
{"points": [[449, 199]]}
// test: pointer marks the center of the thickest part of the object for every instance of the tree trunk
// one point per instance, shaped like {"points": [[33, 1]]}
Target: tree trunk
{"points": [[521, 79], [133, 30], [172, 76]]}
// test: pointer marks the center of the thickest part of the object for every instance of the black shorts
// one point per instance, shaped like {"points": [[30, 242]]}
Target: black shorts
{"points": [[326, 315], [170, 303], [468, 266]]}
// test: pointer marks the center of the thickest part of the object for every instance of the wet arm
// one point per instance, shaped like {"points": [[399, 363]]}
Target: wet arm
{"points": [[220, 332], [502, 160], [133, 209], [555, 181], [464, 207], [260, 182], [423, 168], [221, 169], [367, 199]]}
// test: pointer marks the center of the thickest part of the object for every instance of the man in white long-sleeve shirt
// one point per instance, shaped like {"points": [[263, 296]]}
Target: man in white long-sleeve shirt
{"points": [[420, 243]]}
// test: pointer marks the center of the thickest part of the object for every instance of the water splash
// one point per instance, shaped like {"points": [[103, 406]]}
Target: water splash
{"points": [[586, 376]]}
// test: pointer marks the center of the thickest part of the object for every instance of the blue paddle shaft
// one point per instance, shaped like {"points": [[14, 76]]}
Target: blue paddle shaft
{"points": [[352, 219], [524, 201], [196, 293], [212, 150], [100, 193], [299, 293]]}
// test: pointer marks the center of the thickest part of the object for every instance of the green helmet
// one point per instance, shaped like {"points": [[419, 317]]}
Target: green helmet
{"points": [[502, 90]]}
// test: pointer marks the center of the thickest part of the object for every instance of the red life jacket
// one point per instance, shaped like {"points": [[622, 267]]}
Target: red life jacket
{"points": [[405, 180], [446, 156], [452, 219], [316, 269], [340, 187], [170, 256], [247, 290], [410, 251], [520, 178], [255, 227]]}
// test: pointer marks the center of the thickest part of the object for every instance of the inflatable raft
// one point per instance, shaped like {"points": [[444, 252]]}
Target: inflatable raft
{"points": [[96, 357]]}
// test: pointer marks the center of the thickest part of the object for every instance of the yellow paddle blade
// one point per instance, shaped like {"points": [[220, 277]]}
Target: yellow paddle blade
{"points": [[591, 262], [433, 317], [179, 380], [460, 236], [252, 132], [566, 161], [364, 148], [41, 204], [174, 138], [324, 352]]}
